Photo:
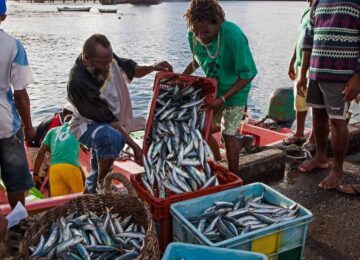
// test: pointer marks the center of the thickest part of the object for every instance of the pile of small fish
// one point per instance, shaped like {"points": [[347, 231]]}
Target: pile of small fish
{"points": [[88, 236], [225, 220], [177, 157]]}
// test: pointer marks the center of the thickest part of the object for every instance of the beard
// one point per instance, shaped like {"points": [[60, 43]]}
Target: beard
{"points": [[97, 74]]}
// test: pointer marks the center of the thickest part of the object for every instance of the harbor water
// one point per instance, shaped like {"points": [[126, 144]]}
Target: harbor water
{"points": [[53, 41]]}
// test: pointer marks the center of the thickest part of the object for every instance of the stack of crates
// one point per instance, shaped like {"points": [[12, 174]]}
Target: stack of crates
{"points": [[160, 208], [283, 240]]}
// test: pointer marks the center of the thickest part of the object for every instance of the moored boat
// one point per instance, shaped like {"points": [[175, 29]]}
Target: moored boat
{"points": [[103, 10], [144, 2], [73, 9]]}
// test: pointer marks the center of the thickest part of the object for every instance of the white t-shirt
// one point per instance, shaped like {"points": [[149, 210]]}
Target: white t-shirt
{"points": [[15, 74]]}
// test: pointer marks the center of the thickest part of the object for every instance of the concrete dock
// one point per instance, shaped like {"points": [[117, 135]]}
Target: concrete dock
{"points": [[334, 232]]}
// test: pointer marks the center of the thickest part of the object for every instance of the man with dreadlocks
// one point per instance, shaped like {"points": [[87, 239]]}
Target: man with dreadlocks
{"points": [[221, 49]]}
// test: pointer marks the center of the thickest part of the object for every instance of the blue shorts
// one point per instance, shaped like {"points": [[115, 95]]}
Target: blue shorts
{"points": [[14, 167], [105, 142]]}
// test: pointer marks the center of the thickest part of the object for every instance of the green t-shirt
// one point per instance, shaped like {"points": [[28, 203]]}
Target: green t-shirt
{"points": [[234, 61], [64, 147], [305, 18]]}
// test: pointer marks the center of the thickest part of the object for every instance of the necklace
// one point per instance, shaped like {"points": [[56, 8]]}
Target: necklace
{"points": [[217, 48]]}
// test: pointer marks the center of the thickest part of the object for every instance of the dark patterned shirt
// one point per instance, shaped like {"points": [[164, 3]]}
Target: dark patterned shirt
{"points": [[333, 35]]}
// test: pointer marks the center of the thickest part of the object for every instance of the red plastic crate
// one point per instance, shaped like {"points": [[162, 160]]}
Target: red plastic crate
{"points": [[169, 79], [160, 208]]}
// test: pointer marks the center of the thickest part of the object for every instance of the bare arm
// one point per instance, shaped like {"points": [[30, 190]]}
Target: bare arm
{"points": [[239, 85], [22, 102], [305, 64], [191, 67], [40, 158], [3, 226], [291, 72], [352, 88], [137, 150], [143, 70]]}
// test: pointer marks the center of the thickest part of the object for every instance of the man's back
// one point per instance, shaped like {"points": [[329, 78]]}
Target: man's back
{"points": [[63, 145]]}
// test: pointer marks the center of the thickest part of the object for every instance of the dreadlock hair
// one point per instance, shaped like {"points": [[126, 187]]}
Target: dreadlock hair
{"points": [[204, 10], [90, 44]]}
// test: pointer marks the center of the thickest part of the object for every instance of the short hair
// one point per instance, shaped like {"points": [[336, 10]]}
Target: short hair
{"points": [[91, 43], [204, 10]]}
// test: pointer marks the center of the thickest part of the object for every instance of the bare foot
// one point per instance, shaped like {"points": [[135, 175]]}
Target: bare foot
{"points": [[334, 179], [313, 164]]}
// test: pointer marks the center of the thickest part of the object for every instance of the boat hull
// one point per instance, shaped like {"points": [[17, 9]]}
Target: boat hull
{"points": [[69, 9], [107, 11]]}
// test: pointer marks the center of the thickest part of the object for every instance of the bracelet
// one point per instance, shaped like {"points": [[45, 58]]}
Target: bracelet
{"points": [[223, 99]]}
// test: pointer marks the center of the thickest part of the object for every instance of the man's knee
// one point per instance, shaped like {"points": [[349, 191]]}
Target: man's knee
{"points": [[109, 143], [320, 114]]}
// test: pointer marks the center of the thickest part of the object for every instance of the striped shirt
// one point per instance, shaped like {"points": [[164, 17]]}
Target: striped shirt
{"points": [[333, 36], [15, 74]]}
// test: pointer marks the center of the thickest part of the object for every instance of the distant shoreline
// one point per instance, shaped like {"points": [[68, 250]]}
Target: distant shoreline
{"points": [[240, 0]]}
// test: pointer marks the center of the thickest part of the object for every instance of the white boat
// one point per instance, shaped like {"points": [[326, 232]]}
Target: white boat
{"points": [[73, 9]]}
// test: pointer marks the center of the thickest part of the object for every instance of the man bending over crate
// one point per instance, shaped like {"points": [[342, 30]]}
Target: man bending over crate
{"points": [[221, 49], [103, 116]]}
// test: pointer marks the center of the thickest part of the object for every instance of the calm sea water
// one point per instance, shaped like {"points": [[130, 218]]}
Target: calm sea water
{"points": [[53, 40]]}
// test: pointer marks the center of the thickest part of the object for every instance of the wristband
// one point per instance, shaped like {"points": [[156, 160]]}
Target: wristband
{"points": [[223, 99]]}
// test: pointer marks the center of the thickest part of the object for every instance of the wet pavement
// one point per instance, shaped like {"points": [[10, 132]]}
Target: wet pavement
{"points": [[334, 232]]}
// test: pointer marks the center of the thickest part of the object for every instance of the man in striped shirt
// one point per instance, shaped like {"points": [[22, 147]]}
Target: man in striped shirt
{"points": [[331, 51]]}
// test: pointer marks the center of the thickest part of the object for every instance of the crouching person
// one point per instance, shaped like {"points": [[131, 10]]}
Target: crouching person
{"points": [[65, 175], [98, 89]]}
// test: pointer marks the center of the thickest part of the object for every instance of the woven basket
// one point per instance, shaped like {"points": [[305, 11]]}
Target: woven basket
{"points": [[125, 205]]}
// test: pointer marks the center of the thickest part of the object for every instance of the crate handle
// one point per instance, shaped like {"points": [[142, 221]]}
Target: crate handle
{"points": [[119, 177]]}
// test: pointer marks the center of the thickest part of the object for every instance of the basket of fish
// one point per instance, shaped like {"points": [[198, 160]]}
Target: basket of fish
{"points": [[178, 251], [105, 226], [177, 159], [253, 217]]}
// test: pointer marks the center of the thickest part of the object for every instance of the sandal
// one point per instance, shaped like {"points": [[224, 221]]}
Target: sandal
{"points": [[352, 191], [292, 139]]}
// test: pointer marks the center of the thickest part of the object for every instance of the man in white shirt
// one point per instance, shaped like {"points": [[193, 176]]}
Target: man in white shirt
{"points": [[15, 76]]}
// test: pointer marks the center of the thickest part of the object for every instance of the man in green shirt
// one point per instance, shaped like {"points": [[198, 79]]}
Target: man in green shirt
{"points": [[221, 49], [300, 104], [65, 175]]}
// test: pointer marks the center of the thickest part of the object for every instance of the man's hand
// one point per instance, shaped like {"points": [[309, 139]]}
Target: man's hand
{"points": [[29, 133], [352, 88], [301, 87], [138, 154], [216, 104], [162, 66], [291, 72], [3, 226], [37, 180]]}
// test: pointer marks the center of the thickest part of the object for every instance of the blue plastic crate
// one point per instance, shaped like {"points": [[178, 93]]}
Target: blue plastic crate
{"points": [[284, 240], [178, 251]]}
